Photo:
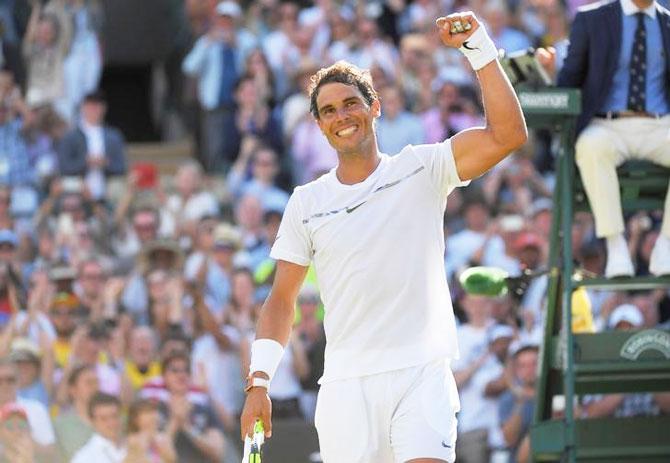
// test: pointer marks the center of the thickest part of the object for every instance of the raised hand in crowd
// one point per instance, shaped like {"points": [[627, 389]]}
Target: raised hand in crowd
{"points": [[110, 297], [16, 444]]}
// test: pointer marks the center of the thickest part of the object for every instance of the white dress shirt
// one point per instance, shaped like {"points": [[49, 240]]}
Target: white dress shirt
{"points": [[99, 450], [95, 142]]}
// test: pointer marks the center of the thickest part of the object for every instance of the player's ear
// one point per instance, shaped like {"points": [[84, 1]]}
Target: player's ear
{"points": [[376, 108]]}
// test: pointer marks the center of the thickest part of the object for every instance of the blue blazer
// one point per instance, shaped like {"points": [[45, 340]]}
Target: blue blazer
{"points": [[73, 151], [593, 54]]}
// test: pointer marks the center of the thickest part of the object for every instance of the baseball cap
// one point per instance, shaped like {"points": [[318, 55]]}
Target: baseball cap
{"points": [[8, 236], [499, 331], [626, 313], [228, 8]]}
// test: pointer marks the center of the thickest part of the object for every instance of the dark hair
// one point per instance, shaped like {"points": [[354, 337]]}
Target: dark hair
{"points": [[76, 373], [136, 409], [344, 73], [100, 399], [174, 357]]}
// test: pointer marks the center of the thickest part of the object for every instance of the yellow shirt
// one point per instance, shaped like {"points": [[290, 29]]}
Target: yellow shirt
{"points": [[62, 350], [137, 378]]}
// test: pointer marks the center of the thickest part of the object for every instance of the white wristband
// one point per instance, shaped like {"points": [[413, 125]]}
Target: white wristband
{"points": [[265, 356], [479, 49]]}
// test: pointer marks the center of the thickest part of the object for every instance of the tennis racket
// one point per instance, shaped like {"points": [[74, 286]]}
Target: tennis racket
{"points": [[253, 445]]}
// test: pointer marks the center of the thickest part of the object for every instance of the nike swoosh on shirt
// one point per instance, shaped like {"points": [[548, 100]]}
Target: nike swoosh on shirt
{"points": [[445, 445], [352, 209]]}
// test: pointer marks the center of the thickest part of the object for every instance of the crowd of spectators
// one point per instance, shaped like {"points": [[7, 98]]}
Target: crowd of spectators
{"points": [[127, 294]]}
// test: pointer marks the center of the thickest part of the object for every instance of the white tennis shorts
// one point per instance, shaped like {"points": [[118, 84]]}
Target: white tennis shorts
{"points": [[391, 417]]}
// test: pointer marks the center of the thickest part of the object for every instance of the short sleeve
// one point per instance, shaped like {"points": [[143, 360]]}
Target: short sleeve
{"points": [[40, 424], [292, 243], [439, 161]]}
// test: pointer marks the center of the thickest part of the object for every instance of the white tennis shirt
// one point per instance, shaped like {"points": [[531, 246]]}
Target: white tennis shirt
{"points": [[378, 252]]}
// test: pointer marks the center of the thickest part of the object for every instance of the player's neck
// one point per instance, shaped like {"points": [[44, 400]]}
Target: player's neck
{"points": [[355, 168]]}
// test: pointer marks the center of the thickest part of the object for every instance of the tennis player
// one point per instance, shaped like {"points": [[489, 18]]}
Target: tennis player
{"points": [[373, 228]]}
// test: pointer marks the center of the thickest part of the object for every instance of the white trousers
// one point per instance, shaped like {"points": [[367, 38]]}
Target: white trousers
{"points": [[606, 144]]}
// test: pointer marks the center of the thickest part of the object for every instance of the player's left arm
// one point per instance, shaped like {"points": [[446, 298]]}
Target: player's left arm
{"points": [[478, 149]]}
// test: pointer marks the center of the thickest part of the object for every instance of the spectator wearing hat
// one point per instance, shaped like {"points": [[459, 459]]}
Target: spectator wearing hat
{"points": [[27, 357], [517, 404], [41, 430], [93, 150], [625, 317], [72, 424], [106, 444], [216, 61]]}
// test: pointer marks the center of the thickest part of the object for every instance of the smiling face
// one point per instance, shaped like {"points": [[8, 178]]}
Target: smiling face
{"points": [[346, 119]]}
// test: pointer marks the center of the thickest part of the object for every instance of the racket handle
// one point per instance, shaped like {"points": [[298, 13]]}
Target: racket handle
{"points": [[253, 445]]}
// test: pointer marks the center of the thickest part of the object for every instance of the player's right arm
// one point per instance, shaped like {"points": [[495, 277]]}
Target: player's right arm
{"points": [[274, 323]]}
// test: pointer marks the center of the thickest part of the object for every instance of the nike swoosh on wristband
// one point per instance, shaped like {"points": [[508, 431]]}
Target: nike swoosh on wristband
{"points": [[445, 445], [467, 46]]}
